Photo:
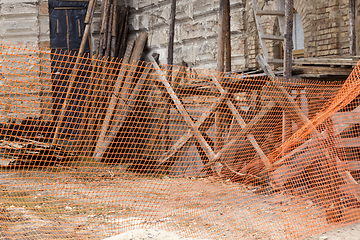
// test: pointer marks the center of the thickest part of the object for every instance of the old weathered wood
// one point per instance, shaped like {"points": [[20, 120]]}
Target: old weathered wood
{"points": [[106, 23], [242, 133], [88, 20], [102, 39], [123, 95], [260, 30], [227, 36], [321, 71], [221, 37], [124, 107], [326, 61], [128, 51], [201, 122], [121, 32], [352, 27], [288, 43], [171, 32], [109, 34], [114, 33], [122, 46], [138, 48], [162, 77]]}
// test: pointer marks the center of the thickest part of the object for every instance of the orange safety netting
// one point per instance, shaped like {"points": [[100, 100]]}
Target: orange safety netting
{"points": [[100, 147]]}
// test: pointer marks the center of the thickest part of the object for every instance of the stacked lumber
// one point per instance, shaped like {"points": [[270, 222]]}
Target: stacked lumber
{"points": [[113, 32]]}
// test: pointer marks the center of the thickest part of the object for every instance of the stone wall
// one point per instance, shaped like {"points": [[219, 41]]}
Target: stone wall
{"points": [[196, 30], [325, 24]]}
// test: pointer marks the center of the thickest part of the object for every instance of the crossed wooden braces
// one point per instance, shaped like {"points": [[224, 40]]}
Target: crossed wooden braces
{"points": [[197, 129]]}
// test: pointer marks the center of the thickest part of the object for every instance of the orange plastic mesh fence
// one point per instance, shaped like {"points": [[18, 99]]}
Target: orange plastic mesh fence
{"points": [[96, 148]]}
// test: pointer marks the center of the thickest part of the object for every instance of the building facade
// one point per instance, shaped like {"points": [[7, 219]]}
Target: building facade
{"points": [[322, 28]]}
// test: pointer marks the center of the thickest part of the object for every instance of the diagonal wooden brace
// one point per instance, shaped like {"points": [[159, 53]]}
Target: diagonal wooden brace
{"points": [[193, 127], [242, 124]]}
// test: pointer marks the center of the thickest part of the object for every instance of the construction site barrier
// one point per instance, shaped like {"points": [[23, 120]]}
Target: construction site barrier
{"points": [[90, 148]]}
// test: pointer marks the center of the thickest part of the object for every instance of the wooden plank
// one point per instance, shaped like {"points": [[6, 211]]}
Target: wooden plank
{"points": [[272, 37], [123, 96], [330, 71], [104, 8], [208, 150], [220, 50], [227, 30], [348, 142], [352, 27], [351, 165], [326, 61], [121, 33], [88, 20], [288, 42], [270, 12], [260, 30], [202, 121], [109, 34], [242, 133], [120, 116]]}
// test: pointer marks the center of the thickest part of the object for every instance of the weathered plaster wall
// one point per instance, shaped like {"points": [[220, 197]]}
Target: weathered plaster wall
{"points": [[325, 23], [196, 29]]}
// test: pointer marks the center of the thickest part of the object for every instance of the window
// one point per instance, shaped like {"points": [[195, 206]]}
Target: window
{"points": [[298, 37]]}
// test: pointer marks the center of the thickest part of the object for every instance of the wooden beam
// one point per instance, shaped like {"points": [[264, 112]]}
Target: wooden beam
{"points": [[171, 32], [126, 105], [204, 145], [326, 61], [288, 38], [352, 27], [220, 55], [227, 36], [88, 20], [242, 133]]}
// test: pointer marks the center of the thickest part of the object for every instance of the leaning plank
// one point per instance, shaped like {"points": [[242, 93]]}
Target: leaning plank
{"points": [[120, 116], [110, 110], [348, 142], [124, 94], [88, 20], [351, 165]]}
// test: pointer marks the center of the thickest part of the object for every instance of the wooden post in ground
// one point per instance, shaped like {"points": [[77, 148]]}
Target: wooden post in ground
{"points": [[288, 38], [220, 68], [170, 60], [171, 33], [227, 36], [220, 55], [352, 27], [287, 122]]}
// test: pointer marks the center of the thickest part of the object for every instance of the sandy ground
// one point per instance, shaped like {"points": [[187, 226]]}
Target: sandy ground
{"points": [[350, 232], [71, 203]]}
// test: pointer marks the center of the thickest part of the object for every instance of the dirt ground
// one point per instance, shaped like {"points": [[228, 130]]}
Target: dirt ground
{"points": [[350, 232], [95, 202]]}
